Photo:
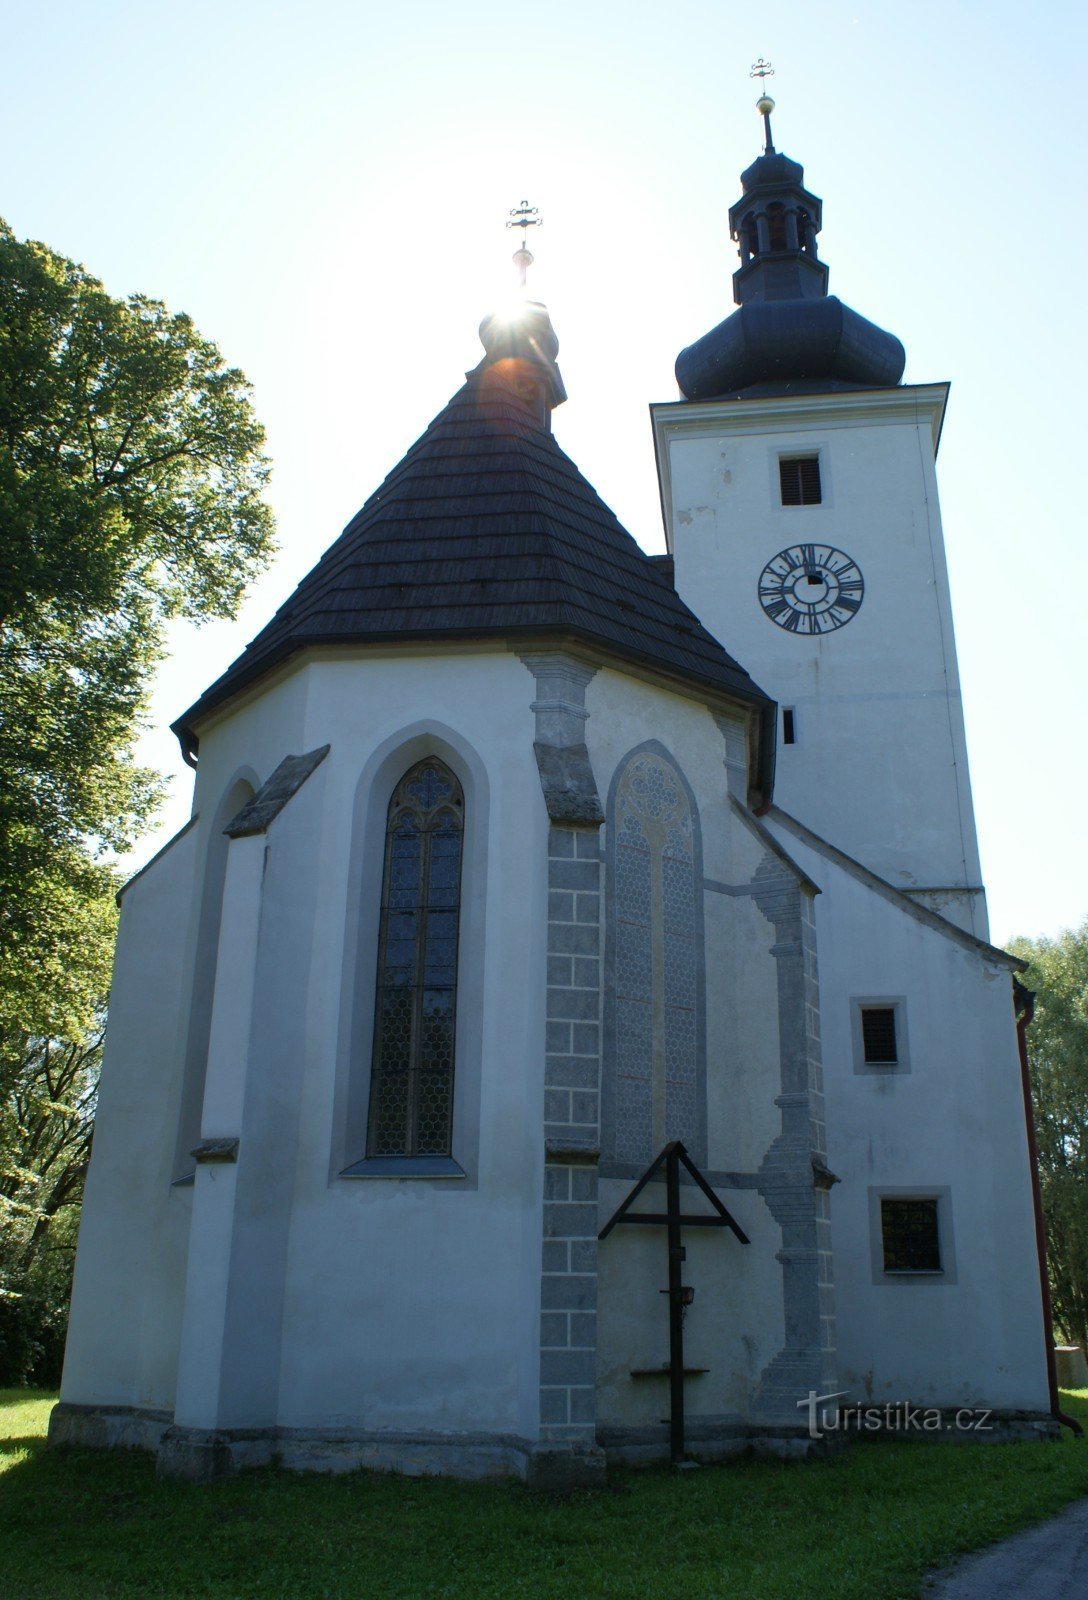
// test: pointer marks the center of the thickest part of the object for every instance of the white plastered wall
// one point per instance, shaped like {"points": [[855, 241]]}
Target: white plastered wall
{"points": [[736, 1324], [954, 1121], [402, 1304], [880, 765], [126, 1303], [317, 1301]]}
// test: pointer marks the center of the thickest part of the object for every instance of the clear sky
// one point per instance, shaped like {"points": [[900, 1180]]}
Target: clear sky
{"points": [[323, 187]]}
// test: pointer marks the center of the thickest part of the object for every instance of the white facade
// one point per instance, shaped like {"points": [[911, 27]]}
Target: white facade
{"points": [[641, 960], [949, 1122], [284, 1258], [879, 762]]}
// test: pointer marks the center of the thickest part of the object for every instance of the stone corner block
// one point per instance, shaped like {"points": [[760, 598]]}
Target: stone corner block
{"points": [[194, 1455], [553, 1469], [257, 815], [105, 1427], [570, 790]]}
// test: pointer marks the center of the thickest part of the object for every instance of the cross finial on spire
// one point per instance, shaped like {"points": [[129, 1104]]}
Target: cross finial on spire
{"points": [[764, 105], [524, 217]]}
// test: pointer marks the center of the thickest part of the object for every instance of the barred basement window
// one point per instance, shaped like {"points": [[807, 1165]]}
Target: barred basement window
{"points": [[878, 1036], [799, 477], [910, 1236], [411, 1086]]}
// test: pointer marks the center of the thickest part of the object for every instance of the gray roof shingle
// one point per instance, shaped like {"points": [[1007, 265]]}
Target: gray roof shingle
{"points": [[484, 529]]}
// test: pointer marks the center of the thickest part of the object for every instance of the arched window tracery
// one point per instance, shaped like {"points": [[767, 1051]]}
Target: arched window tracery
{"points": [[411, 1085], [653, 925]]}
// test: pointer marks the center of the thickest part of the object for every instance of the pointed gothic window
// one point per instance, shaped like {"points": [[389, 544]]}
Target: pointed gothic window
{"points": [[653, 1080], [411, 1086]]}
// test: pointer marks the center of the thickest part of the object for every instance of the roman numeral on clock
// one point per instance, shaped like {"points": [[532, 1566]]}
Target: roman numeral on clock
{"points": [[782, 592]]}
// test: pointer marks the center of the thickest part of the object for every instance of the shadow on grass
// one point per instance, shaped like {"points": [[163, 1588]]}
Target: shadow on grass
{"points": [[865, 1527]]}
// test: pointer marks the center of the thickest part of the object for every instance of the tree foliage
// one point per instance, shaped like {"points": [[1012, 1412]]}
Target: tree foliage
{"points": [[131, 484], [1058, 1059], [46, 1126], [131, 481]]}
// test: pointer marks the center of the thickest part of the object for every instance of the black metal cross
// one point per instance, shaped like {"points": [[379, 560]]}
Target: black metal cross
{"points": [[672, 1157], [764, 105], [525, 216]]}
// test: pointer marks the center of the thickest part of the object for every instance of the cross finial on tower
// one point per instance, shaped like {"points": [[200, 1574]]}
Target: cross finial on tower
{"points": [[524, 217], [764, 105]]}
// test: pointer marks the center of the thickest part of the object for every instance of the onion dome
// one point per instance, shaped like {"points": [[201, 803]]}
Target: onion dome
{"points": [[789, 333], [521, 348]]}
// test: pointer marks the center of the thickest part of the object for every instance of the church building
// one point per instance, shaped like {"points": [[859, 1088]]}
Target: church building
{"points": [[521, 860]]}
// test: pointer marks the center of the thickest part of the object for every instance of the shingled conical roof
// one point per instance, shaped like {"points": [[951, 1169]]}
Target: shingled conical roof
{"points": [[486, 529]]}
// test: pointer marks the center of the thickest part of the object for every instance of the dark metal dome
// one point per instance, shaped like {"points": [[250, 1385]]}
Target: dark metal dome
{"points": [[772, 168], [786, 344]]}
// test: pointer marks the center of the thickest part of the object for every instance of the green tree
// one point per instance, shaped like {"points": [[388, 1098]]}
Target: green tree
{"points": [[131, 492], [46, 1127], [1058, 1059]]}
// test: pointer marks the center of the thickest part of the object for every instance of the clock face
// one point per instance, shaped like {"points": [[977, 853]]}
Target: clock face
{"points": [[811, 588]]}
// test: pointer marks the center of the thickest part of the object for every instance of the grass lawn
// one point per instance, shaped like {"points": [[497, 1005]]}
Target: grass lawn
{"points": [[79, 1525]]}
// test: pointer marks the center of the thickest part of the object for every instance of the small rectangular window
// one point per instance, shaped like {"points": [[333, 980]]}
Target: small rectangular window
{"points": [[789, 730], [878, 1036], [910, 1236], [799, 477]]}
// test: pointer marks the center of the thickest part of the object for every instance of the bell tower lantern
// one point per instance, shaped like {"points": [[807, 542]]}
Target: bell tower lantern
{"points": [[798, 481], [775, 223]]}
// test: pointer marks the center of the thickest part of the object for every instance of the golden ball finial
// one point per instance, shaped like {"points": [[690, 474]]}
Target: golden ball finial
{"points": [[764, 105]]}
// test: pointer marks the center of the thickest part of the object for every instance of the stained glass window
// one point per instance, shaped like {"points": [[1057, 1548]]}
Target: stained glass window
{"points": [[411, 1086]]}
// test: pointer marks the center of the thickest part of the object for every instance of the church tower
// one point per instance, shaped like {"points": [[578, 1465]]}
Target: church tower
{"points": [[800, 500]]}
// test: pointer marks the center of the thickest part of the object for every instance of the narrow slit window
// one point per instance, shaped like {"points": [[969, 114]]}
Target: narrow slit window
{"points": [[910, 1235], [799, 477], [789, 727], [878, 1041], [411, 1087]]}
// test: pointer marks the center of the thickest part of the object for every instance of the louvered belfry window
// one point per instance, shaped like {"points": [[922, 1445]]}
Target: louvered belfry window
{"points": [[799, 477], [411, 1087]]}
